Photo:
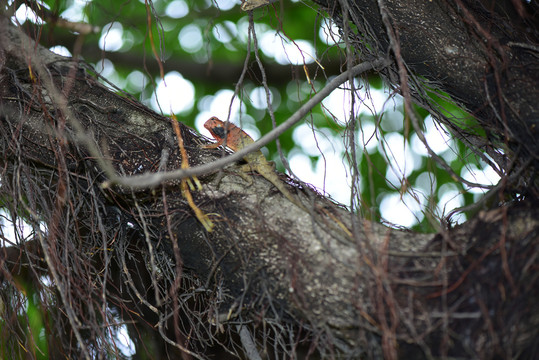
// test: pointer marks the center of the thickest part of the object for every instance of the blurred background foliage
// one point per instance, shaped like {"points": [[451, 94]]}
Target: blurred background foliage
{"points": [[201, 47]]}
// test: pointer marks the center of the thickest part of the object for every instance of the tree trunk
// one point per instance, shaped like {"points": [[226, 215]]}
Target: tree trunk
{"points": [[323, 281]]}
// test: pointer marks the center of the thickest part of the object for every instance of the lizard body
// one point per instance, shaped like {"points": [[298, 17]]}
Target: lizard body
{"points": [[236, 139]]}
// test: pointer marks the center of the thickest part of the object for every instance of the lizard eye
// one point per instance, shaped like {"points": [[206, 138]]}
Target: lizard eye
{"points": [[219, 131]]}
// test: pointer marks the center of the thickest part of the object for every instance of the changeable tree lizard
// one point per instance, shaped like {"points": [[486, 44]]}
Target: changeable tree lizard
{"points": [[237, 139]]}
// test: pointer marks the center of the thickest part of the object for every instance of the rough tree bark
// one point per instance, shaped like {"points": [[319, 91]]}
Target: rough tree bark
{"points": [[295, 280]]}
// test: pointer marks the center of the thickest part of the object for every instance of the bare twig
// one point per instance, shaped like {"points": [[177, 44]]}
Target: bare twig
{"points": [[248, 343], [154, 179]]}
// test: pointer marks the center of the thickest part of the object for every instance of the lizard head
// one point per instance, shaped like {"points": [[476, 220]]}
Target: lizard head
{"points": [[227, 133], [215, 127], [218, 128]]}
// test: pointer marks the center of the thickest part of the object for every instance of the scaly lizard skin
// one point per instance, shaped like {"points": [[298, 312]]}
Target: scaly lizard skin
{"points": [[237, 139]]}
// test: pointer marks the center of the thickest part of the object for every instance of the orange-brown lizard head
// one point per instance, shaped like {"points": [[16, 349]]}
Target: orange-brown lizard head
{"points": [[215, 127]]}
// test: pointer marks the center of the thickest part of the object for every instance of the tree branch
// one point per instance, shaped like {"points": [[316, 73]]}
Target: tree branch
{"points": [[154, 179]]}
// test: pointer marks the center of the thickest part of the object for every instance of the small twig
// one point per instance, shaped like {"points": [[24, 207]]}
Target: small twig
{"points": [[131, 284], [54, 19], [248, 343], [173, 343], [154, 179], [187, 183], [151, 251]]}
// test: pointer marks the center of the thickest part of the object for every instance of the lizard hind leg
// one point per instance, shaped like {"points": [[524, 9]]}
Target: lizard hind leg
{"points": [[250, 168]]}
